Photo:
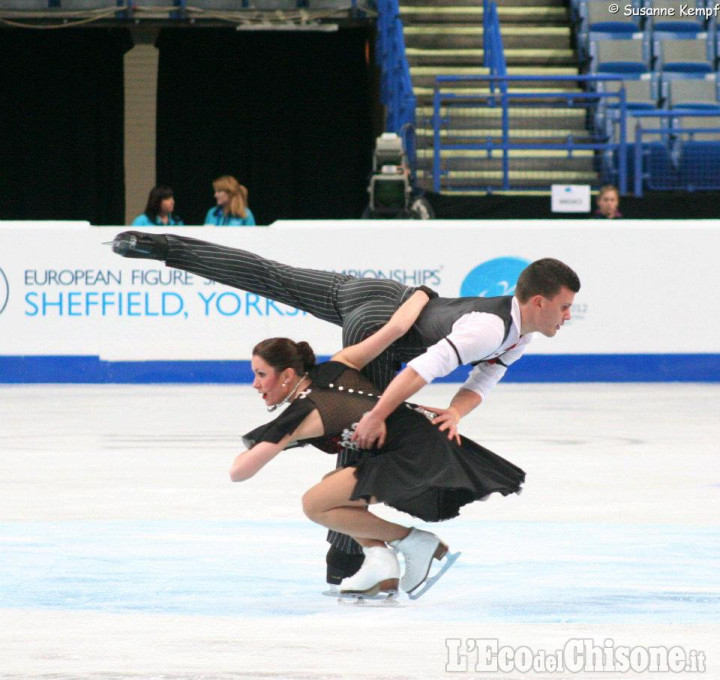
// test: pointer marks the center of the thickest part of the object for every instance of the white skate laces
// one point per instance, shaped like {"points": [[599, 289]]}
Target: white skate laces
{"points": [[379, 572], [418, 548]]}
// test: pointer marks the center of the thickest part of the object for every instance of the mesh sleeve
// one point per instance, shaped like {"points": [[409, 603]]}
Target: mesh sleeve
{"points": [[286, 423]]}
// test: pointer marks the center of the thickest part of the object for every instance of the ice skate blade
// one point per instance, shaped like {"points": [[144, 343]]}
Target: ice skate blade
{"points": [[383, 599], [440, 551], [389, 585], [429, 582]]}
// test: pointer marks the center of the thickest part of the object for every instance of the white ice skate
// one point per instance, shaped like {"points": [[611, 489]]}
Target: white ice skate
{"points": [[419, 548], [380, 573]]}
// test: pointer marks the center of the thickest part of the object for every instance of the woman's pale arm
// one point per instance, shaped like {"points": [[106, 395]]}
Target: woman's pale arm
{"points": [[249, 462], [362, 353]]}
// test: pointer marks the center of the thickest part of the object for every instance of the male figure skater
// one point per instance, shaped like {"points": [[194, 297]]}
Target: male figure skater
{"points": [[487, 333]]}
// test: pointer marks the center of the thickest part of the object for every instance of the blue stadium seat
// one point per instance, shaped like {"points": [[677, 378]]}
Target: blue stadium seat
{"points": [[698, 153], [595, 22], [670, 17], [595, 16], [699, 165], [656, 168], [696, 93], [687, 123], [641, 94], [660, 171], [683, 55], [641, 90], [647, 123], [618, 56], [687, 92]]}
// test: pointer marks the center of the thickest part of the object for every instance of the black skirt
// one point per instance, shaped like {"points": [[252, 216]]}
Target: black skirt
{"points": [[420, 471]]}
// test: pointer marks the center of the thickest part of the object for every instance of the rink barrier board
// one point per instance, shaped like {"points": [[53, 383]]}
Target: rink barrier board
{"points": [[531, 368], [72, 311]]}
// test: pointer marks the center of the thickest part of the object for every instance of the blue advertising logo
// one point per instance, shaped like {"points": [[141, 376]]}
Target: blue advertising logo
{"points": [[493, 278], [4, 291]]}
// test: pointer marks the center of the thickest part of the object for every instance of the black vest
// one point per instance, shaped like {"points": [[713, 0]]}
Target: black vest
{"points": [[437, 318]]}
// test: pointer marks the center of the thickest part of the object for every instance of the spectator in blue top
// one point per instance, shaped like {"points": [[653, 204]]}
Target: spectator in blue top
{"points": [[231, 209], [159, 209]]}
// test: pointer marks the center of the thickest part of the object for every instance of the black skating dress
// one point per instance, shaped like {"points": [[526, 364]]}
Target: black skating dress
{"points": [[418, 470]]}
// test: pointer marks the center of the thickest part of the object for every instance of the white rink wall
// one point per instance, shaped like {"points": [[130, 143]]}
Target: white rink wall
{"points": [[72, 311]]}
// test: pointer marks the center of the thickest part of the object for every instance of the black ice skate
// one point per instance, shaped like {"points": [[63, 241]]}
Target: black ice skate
{"points": [[141, 245]]}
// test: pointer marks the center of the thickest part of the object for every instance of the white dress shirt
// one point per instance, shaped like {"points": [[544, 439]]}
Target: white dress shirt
{"points": [[477, 336]]}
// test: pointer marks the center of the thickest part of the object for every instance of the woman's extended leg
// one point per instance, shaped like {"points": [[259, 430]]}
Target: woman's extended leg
{"points": [[327, 504]]}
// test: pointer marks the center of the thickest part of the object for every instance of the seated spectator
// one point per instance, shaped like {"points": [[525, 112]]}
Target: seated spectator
{"points": [[159, 209], [608, 200], [231, 209]]}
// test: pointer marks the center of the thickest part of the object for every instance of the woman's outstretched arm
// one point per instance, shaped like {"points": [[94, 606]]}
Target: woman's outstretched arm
{"points": [[249, 462], [362, 353]]}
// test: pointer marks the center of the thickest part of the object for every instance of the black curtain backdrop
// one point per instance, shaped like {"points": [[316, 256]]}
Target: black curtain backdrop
{"points": [[289, 114], [61, 124]]}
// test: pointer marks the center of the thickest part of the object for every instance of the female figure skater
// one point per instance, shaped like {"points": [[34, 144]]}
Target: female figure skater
{"points": [[417, 470]]}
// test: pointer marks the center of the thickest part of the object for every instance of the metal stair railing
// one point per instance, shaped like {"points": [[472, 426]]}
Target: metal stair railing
{"points": [[396, 91], [498, 82], [589, 102], [493, 50]]}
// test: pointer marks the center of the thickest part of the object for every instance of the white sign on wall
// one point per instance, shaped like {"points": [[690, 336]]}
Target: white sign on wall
{"points": [[570, 198]]}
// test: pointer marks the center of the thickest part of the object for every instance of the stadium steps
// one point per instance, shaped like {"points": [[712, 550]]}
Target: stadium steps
{"points": [[424, 76], [434, 14], [423, 56], [470, 35], [446, 38]]}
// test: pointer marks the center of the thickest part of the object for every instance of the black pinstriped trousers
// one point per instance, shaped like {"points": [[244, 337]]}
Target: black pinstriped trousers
{"points": [[360, 306]]}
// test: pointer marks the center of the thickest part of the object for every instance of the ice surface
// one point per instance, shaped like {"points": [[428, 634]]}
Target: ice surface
{"points": [[126, 552]]}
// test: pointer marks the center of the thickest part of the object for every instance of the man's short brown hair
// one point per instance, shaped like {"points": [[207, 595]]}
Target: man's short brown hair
{"points": [[545, 277]]}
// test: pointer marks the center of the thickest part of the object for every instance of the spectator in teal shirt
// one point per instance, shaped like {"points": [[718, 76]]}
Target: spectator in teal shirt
{"points": [[159, 209], [232, 204]]}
